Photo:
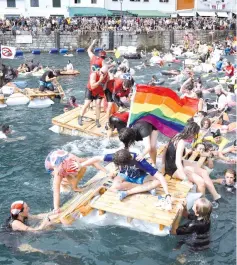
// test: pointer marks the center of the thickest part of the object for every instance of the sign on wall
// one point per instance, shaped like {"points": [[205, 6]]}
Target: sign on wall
{"points": [[185, 4], [214, 4], [23, 38]]}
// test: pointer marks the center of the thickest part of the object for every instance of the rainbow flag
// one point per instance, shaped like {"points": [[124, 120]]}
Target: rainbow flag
{"points": [[163, 108]]}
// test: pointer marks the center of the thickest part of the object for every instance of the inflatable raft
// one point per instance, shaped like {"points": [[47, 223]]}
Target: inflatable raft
{"points": [[71, 72]]}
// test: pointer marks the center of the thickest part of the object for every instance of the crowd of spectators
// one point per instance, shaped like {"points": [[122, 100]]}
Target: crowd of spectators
{"points": [[95, 24]]}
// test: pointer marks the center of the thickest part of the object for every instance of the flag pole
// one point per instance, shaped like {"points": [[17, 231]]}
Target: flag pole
{"points": [[131, 105]]}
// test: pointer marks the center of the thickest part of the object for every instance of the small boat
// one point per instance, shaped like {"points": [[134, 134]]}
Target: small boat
{"points": [[69, 72]]}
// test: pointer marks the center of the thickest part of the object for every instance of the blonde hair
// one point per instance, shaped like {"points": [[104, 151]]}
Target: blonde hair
{"points": [[204, 208]]}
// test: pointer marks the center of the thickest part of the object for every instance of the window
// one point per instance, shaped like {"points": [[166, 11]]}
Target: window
{"points": [[77, 1], [146, 0], [164, 1], [34, 3], [115, 0], [56, 3], [135, 0], [94, 1], [11, 3]]}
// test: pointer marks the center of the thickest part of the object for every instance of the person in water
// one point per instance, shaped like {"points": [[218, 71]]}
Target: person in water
{"points": [[69, 66], [46, 81], [5, 131], [197, 227], [229, 180], [217, 139], [186, 170], [66, 170], [71, 104], [95, 91], [18, 220], [134, 176]]}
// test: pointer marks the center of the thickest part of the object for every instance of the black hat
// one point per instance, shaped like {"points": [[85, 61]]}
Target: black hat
{"points": [[217, 133]]}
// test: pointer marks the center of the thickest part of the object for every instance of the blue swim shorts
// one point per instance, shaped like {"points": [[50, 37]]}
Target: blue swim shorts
{"points": [[137, 180]]}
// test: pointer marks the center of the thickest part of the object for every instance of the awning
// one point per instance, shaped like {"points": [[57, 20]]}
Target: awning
{"points": [[89, 12], [148, 13], [222, 14], [207, 14], [188, 14], [117, 13], [174, 15]]}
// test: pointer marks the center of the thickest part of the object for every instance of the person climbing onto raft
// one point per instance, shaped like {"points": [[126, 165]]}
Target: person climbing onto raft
{"points": [[134, 175], [95, 91], [66, 170], [46, 81]]}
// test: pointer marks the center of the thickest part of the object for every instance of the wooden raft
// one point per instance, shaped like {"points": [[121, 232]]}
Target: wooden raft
{"points": [[68, 123], [139, 206], [32, 93]]}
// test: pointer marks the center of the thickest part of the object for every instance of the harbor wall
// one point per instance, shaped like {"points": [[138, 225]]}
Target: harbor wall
{"points": [[159, 39]]}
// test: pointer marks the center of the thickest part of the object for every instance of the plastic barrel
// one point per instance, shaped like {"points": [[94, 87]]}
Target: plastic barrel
{"points": [[80, 50], [97, 49], [63, 50], [20, 84], [19, 53], [36, 52], [53, 51]]}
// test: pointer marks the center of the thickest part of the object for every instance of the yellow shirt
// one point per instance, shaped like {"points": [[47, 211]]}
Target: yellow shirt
{"points": [[221, 145]]}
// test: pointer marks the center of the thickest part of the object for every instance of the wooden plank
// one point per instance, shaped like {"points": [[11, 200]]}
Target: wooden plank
{"points": [[193, 156]]}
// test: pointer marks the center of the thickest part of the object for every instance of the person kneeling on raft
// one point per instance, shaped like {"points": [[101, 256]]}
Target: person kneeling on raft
{"points": [[66, 170], [133, 176], [18, 221], [117, 121], [46, 81]]}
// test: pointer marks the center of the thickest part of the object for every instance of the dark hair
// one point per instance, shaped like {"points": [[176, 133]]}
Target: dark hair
{"points": [[190, 130], [154, 76], [122, 157], [127, 83], [199, 94], [203, 121], [231, 171], [73, 99], [5, 128], [203, 113], [231, 88], [127, 136]]}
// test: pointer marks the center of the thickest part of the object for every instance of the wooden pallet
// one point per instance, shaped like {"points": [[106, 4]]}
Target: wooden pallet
{"points": [[71, 72], [68, 123], [32, 93]]}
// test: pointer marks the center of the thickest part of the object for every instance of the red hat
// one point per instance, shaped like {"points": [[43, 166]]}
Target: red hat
{"points": [[17, 207], [102, 53]]}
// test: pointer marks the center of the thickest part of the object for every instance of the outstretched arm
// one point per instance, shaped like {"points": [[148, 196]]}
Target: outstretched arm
{"points": [[89, 50]]}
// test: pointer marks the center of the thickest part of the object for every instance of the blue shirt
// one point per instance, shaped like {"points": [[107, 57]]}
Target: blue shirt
{"points": [[134, 168], [219, 65]]}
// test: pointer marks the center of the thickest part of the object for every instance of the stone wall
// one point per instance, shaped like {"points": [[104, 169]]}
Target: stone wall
{"points": [[160, 39]]}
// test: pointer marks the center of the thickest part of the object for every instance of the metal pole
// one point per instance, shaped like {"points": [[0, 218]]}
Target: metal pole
{"points": [[121, 12]]}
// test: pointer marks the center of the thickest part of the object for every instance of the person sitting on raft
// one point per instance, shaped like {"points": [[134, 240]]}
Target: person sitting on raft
{"points": [[217, 139], [71, 104], [219, 64], [134, 176], [66, 170], [46, 81], [198, 225], [95, 91], [229, 70], [185, 170], [69, 66], [229, 180], [18, 221]]}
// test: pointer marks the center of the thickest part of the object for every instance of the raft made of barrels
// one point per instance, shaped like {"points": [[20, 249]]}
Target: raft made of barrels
{"points": [[96, 196], [19, 53], [53, 51], [68, 123], [36, 52], [70, 72]]}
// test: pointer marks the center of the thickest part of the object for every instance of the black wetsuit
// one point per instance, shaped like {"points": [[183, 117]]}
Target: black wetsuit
{"points": [[197, 231], [143, 129], [170, 158]]}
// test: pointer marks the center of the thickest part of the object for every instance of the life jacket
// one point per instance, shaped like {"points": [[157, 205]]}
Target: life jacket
{"points": [[98, 91], [123, 116], [118, 85], [97, 60]]}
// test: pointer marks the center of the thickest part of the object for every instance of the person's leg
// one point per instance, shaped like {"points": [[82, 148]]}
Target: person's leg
{"points": [[119, 183], [84, 108], [42, 88], [153, 150], [98, 107]]}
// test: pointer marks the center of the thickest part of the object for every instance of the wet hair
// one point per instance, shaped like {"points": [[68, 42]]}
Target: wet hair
{"points": [[231, 88], [196, 146], [204, 120], [203, 113], [122, 157], [208, 146], [154, 77], [73, 99], [199, 94], [234, 143], [204, 208], [190, 130], [231, 171], [5, 128], [127, 136], [127, 83]]}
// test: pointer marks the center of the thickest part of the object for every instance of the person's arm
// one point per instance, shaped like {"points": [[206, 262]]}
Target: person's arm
{"points": [[92, 161], [200, 104], [93, 82], [56, 189], [89, 50], [48, 79], [163, 182], [185, 84], [218, 181], [19, 226], [147, 145]]}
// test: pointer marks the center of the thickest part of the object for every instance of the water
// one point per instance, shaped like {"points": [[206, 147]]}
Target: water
{"points": [[23, 177]]}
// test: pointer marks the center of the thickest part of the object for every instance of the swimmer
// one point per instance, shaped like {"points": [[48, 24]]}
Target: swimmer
{"points": [[5, 131], [133, 176], [185, 170], [71, 104], [18, 221], [232, 149], [198, 225], [66, 170], [229, 180]]}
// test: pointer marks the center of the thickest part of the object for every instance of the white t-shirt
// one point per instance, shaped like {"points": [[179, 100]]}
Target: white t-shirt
{"points": [[3, 135], [222, 102], [69, 67]]}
